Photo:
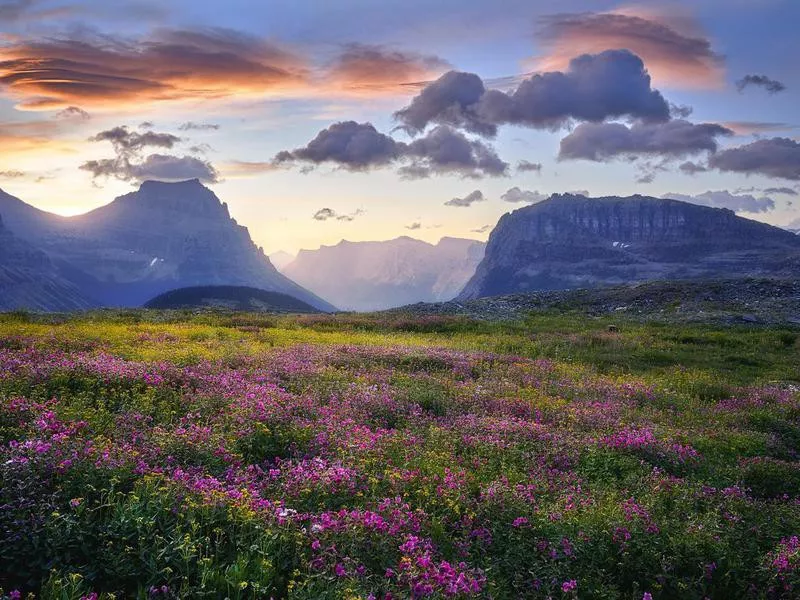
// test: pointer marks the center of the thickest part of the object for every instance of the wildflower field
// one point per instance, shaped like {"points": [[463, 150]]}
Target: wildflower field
{"points": [[156, 455]]}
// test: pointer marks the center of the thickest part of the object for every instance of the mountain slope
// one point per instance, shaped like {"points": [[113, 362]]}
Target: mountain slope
{"points": [[378, 275], [571, 241], [161, 237], [29, 279]]}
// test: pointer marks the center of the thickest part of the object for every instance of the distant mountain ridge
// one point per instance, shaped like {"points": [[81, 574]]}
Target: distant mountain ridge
{"points": [[161, 237], [377, 275], [570, 241]]}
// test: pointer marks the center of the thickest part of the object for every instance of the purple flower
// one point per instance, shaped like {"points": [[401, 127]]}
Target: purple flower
{"points": [[569, 586]]}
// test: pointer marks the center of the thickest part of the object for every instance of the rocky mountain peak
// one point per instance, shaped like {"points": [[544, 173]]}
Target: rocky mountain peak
{"points": [[190, 198]]}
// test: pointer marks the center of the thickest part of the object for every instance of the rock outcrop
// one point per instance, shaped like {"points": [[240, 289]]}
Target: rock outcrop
{"points": [[161, 237], [377, 275], [571, 241]]}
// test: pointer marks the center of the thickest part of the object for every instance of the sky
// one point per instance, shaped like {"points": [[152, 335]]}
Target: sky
{"points": [[322, 120]]}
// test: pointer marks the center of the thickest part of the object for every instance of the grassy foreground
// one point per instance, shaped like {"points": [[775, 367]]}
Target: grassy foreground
{"points": [[157, 455]]}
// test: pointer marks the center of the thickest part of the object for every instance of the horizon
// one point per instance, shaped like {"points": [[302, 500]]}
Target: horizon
{"points": [[313, 125]]}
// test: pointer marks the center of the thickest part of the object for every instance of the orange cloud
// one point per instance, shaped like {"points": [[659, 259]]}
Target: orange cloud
{"points": [[673, 47], [101, 74], [57, 73]]}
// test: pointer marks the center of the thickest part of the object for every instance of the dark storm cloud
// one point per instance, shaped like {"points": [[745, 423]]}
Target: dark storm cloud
{"points": [[675, 50], [605, 141], [192, 126], [772, 86], [613, 83], [725, 199], [360, 147], [468, 200], [525, 166], [692, 168], [775, 157]]}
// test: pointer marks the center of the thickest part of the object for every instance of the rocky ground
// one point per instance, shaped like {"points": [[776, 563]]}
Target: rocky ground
{"points": [[766, 301]]}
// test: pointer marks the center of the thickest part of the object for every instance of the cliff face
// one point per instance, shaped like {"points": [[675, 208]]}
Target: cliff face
{"points": [[572, 241], [378, 275], [161, 237], [30, 280]]}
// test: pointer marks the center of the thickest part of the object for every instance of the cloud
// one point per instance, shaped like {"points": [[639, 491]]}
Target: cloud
{"points": [[101, 72], [444, 150], [375, 69], [482, 229], [12, 174], [772, 86], [192, 126], [468, 200], [674, 48], [692, 168], [130, 165], [725, 199], [128, 143], [73, 113], [350, 145], [325, 214], [774, 157], [242, 168], [525, 166], [596, 87], [27, 10], [155, 166], [674, 139], [414, 226], [517, 195], [360, 147], [680, 111], [782, 190], [756, 127]]}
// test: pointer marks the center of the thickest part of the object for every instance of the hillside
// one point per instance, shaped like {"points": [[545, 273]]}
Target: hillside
{"points": [[230, 297], [743, 300], [571, 241]]}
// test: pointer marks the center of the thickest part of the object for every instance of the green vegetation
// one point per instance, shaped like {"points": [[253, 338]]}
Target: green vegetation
{"points": [[165, 455]]}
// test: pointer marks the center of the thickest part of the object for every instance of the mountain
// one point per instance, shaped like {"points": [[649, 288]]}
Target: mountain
{"points": [[280, 259], [571, 241], [30, 280], [377, 275], [161, 237], [230, 297]]}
